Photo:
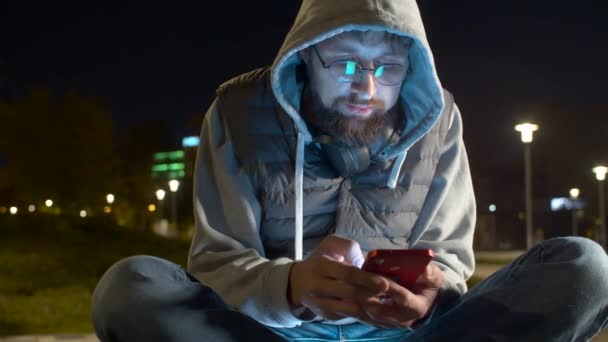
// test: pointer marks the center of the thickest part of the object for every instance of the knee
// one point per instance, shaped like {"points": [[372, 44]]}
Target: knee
{"points": [[587, 260], [127, 282]]}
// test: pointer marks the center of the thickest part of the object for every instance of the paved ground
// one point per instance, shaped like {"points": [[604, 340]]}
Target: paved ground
{"points": [[52, 338], [91, 338], [482, 270]]}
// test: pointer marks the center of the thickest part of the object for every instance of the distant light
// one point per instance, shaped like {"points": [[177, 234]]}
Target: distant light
{"points": [[83, 213], [3, 210], [151, 208], [526, 130], [169, 156], [191, 141], [160, 168], [492, 208], [565, 203], [13, 210], [173, 185], [48, 203], [107, 209], [574, 192], [600, 172], [31, 208], [160, 194], [110, 198]]}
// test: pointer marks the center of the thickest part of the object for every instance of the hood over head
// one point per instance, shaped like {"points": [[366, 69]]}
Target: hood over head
{"points": [[319, 20]]}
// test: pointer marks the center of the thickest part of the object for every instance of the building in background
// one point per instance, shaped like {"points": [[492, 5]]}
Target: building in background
{"points": [[176, 165]]}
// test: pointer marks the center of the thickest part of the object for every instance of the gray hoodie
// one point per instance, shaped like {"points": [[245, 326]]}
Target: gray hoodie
{"points": [[227, 253]]}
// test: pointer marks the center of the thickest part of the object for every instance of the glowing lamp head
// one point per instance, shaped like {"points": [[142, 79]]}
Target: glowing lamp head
{"points": [[173, 185], [574, 193], [600, 172], [160, 194], [526, 130]]}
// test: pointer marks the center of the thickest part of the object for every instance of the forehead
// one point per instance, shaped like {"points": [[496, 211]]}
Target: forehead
{"points": [[367, 43]]}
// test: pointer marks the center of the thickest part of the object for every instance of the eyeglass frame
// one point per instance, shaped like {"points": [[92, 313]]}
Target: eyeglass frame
{"points": [[373, 70]]}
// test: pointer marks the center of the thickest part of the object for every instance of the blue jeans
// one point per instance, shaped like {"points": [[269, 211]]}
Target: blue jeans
{"points": [[557, 291]]}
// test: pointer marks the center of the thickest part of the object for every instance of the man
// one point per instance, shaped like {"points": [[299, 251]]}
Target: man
{"points": [[346, 144]]}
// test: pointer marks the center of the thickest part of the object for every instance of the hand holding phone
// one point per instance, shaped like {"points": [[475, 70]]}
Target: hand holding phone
{"points": [[403, 266]]}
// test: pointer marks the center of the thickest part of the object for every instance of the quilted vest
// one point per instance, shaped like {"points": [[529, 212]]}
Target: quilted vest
{"points": [[361, 207]]}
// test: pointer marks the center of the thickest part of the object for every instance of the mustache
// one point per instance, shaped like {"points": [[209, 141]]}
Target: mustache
{"points": [[355, 101]]}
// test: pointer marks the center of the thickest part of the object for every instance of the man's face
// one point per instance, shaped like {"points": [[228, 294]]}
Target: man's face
{"points": [[355, 111]]}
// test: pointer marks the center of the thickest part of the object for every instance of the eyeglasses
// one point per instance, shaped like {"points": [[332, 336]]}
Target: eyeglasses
{"points": [[348, 71]]}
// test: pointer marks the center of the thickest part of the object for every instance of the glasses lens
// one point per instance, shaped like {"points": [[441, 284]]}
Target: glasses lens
{"points": [[349, 71], [344, 71], [390, 74]]}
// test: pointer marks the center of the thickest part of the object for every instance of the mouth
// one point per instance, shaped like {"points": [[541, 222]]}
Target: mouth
{"points": [[358, 110]]}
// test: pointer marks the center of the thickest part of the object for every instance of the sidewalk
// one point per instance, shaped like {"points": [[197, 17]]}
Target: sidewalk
{"points": [[603, 337], [52, 338]]}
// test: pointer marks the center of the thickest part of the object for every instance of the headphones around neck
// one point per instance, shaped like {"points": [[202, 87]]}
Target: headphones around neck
{"points": [[351, 160]]}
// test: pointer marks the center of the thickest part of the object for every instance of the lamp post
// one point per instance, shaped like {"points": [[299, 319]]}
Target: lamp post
{"points": [[600, 175], [574, 193], [160, 196], [109, 200], [526, 130], [173, 187]]}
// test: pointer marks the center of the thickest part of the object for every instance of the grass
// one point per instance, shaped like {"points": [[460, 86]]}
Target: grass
{"points": [[49, 267]]}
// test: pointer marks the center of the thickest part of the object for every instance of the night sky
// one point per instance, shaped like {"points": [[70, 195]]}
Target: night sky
{"points": [[504, 61]]}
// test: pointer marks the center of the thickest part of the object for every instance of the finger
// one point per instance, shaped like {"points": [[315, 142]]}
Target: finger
{"points": [[352, 275], [391, 314], [431, 278], [403, 298], [331, 308], [334, 309], [373, 309], [326, 287]]}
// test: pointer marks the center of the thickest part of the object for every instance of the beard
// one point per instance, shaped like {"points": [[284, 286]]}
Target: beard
{"points": [[351, 131]]}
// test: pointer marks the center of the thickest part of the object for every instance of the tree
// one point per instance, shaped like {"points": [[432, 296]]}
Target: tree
{"points": [[58, 147]]}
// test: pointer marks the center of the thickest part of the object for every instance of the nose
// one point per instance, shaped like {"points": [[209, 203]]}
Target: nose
{"points": [[365, 85]]}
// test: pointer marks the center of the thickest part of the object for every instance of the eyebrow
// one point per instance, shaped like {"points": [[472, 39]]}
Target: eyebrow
{"points": [[346, 51], [344, 48]]}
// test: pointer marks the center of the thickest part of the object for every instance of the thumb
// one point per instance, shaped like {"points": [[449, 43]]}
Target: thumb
{"points": [[355, 256], [432, 276], [345, 250]]}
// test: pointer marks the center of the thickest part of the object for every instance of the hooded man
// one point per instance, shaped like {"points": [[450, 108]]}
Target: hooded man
{"points": [[347, 144]]}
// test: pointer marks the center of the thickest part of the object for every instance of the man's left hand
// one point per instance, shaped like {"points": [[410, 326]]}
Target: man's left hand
{"points": [[402, 307]]}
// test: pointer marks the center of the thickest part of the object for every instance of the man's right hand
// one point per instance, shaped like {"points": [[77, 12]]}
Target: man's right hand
{"points": [[331, 284]]}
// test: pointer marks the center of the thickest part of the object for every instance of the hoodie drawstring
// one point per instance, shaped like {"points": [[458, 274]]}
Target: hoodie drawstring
{"points": [[391, 183], [299, 188]]}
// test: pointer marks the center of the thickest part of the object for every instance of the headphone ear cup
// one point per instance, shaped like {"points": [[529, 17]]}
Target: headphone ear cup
{"points": [[347, 160]]}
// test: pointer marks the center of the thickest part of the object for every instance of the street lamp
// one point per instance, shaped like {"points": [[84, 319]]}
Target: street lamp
{"points": [[109, 199], [174, 186], [48, 203], [160, 196], [526, 130], [600, 175], [574, 193]]}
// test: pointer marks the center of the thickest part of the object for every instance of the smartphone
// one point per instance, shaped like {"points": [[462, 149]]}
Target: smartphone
{"points": [[403, 266]]}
